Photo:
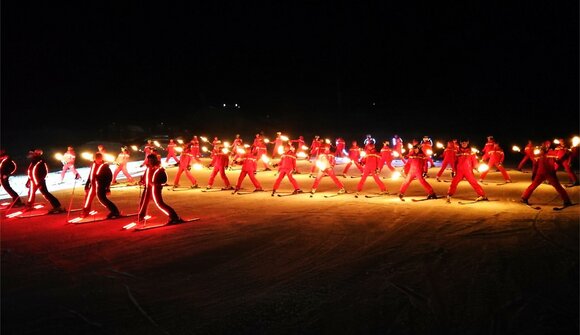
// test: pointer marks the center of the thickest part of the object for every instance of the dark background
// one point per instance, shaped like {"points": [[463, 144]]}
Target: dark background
{"points": [[83, 71]]}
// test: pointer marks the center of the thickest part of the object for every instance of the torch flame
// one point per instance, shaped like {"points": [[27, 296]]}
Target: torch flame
{"points": [[58, 156], [203, 138], [180, 141], [474, 150], [241, 151], [556, 141], [87, 155], [304, 147], [403, 150], [109, 158], [226, 144], [197, 166], [204, 149], [396, 175], [396, 154], [321, 165], [266, 140], [327, 141], [178, 149], [301, 155], [409, 145], [575, 141], [280, 150], [265, 159], [134, 148], [156, 143], [246, 146], [515, 148], [536, 151], [483, 167], [439, 145], [429, 152], [284, 138], [363, 153], [225, 150]]}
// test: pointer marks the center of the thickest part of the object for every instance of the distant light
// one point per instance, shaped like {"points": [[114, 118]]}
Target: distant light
{"points": [[224, 105], [236, 105]]}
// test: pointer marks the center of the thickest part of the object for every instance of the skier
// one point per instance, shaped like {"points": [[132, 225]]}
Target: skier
{"points": [[37, 171], [260, 152], [286, 167], [220, 164], [386, 157], [448, 159], [98, 183], [398, 147], [416, 162], [427, 148], [8, 168], [195, 151], [496, 157], [121, 162], [354, 156], [487, 148], [185, 166], [314, 146], [369, 140], [528, 155], [68, 162], [249, 166], [278, 143], [465, 162], [147, 150], [153, 180], [325, 164], [563, 159], [340, 146], [544, 169], [171, 152], [371, 167]]}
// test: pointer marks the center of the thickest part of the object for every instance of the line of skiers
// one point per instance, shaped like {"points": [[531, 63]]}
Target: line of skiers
{"points": [[459, 155]]}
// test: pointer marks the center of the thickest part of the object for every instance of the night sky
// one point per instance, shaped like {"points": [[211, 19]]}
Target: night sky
{"points": [[388, 67]]}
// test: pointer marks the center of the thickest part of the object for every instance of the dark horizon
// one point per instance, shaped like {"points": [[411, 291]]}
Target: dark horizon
{"points": [[506, 70]]}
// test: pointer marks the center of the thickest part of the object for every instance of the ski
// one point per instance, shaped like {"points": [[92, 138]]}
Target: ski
{"points": [[184, 188], [289, 194], [91, 219], [22, 216], [425, 199], [335, 195], [533, 207], [500, 184], [145, 227], [473, 202], [216, 189], [252, 192], [378, 195], [563, 207]]}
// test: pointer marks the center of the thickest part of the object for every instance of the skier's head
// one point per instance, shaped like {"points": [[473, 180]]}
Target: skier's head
{"points": [[496, 146], [385, 143], [98, 158], [354, 143], [547, 144], [490, 138], [327, 148], [170, 140], [152, 160], [237, 135], [451, 144], [464, 143]]}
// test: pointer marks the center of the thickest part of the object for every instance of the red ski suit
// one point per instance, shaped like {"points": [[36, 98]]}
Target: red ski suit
{"points": [[354, 156], [153, 179], [221, 162], [98, 184], [544, 170], [259, 151], [427, 147], [371, 167], [386, 158], [416, 163], [278, 143], [7, 168], [195, 151], [185, 166], [496, 157], [465, 162], [340, 146], [448, 158], [486, 149], [171, 153], [249, 166], [528, 156], [563, 158], [326, 160], [285, 168]]}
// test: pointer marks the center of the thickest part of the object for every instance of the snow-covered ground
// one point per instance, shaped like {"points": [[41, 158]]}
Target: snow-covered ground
{"points": [[256, 264]]}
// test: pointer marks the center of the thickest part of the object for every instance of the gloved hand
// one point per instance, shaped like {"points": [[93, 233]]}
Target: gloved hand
{"points": [[189, 168], [28, 183]]}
